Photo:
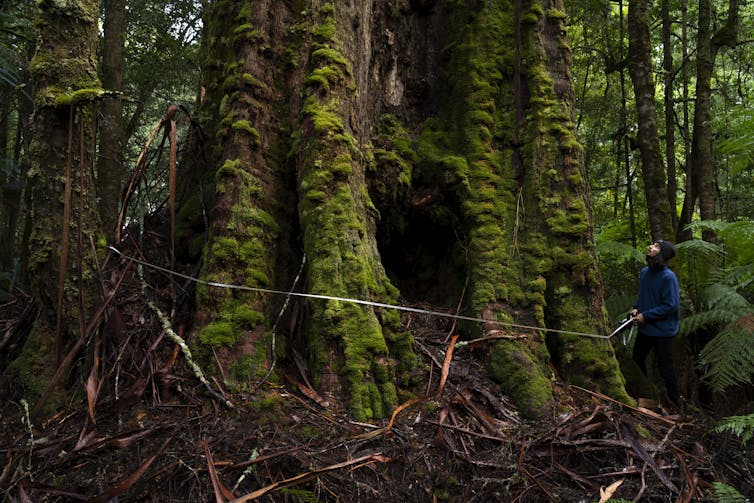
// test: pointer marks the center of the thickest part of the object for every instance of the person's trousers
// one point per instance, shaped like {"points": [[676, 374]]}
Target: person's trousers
{"points": [[663, 347]]}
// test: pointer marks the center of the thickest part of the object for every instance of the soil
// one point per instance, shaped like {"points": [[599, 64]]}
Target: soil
{"points": [[146, 429]]}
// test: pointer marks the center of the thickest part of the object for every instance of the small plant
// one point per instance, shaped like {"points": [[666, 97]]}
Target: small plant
{"points": [[741, 426], [726, 494]]}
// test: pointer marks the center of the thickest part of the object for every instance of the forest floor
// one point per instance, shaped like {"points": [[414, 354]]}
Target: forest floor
{"points": [[146, 429]]}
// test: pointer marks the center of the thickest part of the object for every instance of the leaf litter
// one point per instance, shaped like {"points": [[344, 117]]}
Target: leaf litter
{"points": [[142, 427]]}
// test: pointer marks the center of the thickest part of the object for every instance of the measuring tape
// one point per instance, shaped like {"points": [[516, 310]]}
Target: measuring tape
{"points": [[367, 302]]}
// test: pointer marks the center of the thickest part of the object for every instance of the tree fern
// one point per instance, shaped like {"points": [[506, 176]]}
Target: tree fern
{"points": [[718, 279], [728, 359]]}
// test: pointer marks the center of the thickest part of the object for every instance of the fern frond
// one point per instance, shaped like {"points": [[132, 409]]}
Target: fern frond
{"points": [[740, 426], [703, 250], [717, 226], [728, 359], [726, 494], [696, 322], [619, 252], [618, 305], [739, 228], [739, 277], [720, 297]]}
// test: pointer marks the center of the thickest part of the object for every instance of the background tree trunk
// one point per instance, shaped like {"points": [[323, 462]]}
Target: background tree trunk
{"points": [[110, 169], [640, 68], [702, 161], [61, 154]]}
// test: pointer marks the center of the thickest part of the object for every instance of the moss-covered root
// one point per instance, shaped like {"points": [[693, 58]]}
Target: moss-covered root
{"points": [[523, 376], [33, 370], [590, 363]]}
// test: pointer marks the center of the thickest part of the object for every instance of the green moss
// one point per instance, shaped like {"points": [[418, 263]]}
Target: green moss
{"points": [[218, 333], [251, 81], [327, 55], [522, 377], [224, 249], [79, 96], [323, 76], [324, 121], [325, 32], [246, 317]]}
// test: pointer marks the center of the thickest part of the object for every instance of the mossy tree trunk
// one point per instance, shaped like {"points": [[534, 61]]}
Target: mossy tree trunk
{"points": [[61, 153], [426, 139]]}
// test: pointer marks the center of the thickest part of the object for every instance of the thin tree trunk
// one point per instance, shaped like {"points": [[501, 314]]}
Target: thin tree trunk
{"points": [[702, 162], [689, 196], [110, 169], [668, 84], [653, 171], [624, 145]]}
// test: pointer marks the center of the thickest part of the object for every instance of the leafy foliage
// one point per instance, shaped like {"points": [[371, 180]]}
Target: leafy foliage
{"points": [[728, 358], [718, 279], [726, 494], [741, 426]]}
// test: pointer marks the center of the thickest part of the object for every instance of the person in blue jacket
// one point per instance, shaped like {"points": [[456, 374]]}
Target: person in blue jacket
{"points": [[657, 314]]}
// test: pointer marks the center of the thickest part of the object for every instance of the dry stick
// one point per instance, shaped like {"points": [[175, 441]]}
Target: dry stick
{"points": [[446, 365], [131, 185], [467, 431], [63, 264], [172, 189], [302, 477], [82, 337], [635, 409], [639, 449], [221, 492], [168, 328]]}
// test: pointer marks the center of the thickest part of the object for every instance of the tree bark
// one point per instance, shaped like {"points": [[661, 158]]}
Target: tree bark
{"points": [[62, 193], [668, 85], [702, 162], [431, 126], [653, 171], [110, 169]]}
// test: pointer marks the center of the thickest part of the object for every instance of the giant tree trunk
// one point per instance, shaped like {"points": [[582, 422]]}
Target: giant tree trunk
{"points": [[418, 130], [62, 199], [640, 67]]}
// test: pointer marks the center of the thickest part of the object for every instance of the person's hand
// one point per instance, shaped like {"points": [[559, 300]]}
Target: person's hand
{"points": [[637, 316]]}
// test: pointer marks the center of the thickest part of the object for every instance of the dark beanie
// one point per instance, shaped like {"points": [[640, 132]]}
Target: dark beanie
{"points": [[667, 250]]}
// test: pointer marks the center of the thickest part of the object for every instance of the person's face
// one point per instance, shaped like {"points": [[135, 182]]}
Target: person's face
{"points": [[653, 250]]}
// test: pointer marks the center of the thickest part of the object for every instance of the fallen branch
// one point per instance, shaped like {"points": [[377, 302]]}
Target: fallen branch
{"points": [[177, 339], [370, 458]]}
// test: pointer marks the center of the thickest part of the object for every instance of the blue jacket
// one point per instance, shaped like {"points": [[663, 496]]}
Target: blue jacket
{"points": [[659, 301]]}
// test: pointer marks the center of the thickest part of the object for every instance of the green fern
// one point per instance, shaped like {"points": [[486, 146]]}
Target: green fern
{"points": [[741, 426], [726, 494], [717, 288], [728, 359]]}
